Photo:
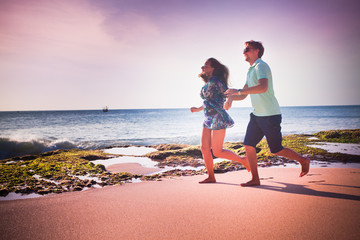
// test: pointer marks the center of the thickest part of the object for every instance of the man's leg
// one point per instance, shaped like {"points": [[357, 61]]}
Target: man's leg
{"points": [[274, 138], [291, 154], [253, 136], [252, 158]]}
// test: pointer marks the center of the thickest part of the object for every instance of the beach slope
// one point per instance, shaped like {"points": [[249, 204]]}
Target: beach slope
{"points": [[322, 205]]}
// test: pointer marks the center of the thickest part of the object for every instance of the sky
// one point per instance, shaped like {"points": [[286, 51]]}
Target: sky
{"points": [[136, 54]]}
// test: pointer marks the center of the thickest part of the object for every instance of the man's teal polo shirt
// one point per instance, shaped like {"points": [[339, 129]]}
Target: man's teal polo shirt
{"points": [[264, 104]]}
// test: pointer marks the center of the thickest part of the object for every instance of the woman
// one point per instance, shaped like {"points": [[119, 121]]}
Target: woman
{"points": [[215, 76]]}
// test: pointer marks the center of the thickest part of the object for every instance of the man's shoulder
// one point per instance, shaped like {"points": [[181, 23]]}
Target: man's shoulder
{"points": [[259, 61], [260, 64]]}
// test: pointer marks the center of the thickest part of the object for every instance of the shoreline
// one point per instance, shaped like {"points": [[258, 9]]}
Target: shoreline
{"points": [[322, 202], [136, 168], [75, 170]]}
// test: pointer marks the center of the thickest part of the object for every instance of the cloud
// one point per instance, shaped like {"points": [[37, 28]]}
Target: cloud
{"points": [[53, 29], [130, 27]]}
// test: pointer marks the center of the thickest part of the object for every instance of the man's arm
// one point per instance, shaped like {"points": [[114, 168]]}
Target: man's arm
{"points": [[261, 87]]}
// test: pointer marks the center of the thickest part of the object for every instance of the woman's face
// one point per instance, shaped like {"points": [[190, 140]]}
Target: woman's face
{"points": [[207, 69]]}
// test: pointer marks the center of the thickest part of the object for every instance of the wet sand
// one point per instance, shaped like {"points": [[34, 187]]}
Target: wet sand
{"points": [[133, 168], [322, 205]]}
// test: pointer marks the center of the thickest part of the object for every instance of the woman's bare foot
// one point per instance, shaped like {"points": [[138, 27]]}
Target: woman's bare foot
{"points": [[251, 183], [208, 180], [305, 167]]}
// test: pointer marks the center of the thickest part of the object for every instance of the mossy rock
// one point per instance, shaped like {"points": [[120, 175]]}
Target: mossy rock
{"points": [[173, 161], [60, 168], [154, 177], [340, 136], [299, 143], [167, 147], [227, 166], [4, 192], [193, 151]]}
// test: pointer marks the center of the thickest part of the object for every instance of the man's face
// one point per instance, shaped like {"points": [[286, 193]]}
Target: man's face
{"points": [[250, 53]]}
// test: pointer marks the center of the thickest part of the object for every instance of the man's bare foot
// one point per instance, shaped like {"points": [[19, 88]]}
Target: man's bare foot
{"points": [[251, 183], [246, 164], [305, 167], [208, 180]]}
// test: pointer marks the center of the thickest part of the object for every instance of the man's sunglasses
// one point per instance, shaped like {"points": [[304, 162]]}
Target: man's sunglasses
{"points": [[247, 49]]}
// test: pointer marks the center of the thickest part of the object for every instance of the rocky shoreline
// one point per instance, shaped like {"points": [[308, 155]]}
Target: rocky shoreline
{"points": [[72, 170]]}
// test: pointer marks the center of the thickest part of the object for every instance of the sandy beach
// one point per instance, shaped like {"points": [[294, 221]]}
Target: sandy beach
{"points": [[323, 205]]}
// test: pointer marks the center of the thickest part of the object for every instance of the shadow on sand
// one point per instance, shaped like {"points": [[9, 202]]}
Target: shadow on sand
{"points": [[304, 190]]}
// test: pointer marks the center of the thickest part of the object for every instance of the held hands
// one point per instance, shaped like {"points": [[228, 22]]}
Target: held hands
{"points": [[231, 91], [228, 103], [233, 94]]}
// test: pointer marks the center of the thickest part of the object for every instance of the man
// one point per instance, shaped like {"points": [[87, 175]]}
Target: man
{"points": [[266, 118]]}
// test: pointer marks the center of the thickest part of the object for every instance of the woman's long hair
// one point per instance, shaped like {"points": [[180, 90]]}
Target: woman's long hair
{"points": [[220, 70]]}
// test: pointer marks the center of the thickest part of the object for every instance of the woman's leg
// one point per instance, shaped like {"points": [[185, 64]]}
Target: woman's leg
{"points": [[217, 142], [207, 156]]}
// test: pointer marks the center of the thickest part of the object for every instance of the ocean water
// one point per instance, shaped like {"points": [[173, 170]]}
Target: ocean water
{"points": [[34, 132]]}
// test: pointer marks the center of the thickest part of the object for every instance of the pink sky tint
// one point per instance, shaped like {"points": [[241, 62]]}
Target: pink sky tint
{"points": [[84, 54], [53, 30]]}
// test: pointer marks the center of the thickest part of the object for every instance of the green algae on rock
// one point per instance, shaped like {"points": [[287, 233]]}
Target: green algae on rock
{"points": [[56, 172], [299, 143], [340, 136], [64, 170]]}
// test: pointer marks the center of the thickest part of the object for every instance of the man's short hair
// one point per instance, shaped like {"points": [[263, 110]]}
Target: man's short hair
{"points": [[256, 45]]}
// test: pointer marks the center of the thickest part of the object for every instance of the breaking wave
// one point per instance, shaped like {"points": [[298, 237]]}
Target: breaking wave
{"points": [[11, 148]]}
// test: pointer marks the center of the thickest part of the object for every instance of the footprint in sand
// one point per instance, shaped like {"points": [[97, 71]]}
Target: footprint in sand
{"points": [[312, 174], [266, 178], [320, 181]]}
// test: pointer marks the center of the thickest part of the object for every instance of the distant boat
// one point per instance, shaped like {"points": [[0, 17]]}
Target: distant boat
{"points": [[105, 109]]}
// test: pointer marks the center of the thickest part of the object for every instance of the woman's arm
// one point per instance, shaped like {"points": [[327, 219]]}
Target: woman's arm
{"points": [[196, 109]]}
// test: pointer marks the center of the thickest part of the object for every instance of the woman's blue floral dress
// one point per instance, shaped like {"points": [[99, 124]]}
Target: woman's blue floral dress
{"points": [[214, 98]]}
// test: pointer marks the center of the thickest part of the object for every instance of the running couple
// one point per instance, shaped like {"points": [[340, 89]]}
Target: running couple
{"points": [[264, 121]]}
